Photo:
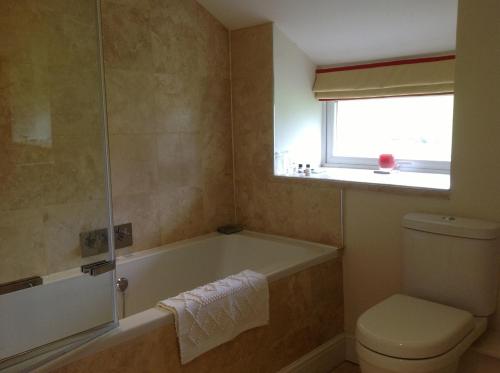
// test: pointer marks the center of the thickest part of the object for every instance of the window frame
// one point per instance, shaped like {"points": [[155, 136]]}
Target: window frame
{"points": [[405, 165]]}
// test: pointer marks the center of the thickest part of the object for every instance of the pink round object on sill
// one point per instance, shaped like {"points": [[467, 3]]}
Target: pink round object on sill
{"points": [[386, 162]]}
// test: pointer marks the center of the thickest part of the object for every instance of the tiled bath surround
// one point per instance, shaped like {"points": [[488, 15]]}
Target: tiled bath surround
{"points": [[306, 310]]}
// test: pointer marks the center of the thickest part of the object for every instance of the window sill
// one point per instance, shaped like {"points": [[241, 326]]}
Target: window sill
{"points": [[397, 179]]}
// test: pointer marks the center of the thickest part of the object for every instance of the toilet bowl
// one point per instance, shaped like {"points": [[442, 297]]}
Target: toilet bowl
{"points": [[405, 334], [450, 281]]}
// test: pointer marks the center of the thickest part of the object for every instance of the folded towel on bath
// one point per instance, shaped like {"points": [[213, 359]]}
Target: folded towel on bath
{"points": [[213, 314]]}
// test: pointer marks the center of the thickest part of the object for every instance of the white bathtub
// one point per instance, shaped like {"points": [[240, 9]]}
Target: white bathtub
{"points": [[165, 271]]}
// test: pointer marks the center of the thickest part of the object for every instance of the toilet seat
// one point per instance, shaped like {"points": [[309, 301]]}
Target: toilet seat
{"points": [[441, 363], [405, 327]]}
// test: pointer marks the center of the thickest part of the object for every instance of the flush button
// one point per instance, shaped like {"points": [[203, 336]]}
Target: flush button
{"points": [[449, 218]]}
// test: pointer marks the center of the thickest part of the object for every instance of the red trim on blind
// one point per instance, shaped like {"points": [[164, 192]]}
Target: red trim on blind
{"points": [[368, 98], [385, 63]]}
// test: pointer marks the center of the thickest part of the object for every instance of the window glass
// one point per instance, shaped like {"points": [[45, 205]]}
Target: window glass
{"points": [[410, 128]]}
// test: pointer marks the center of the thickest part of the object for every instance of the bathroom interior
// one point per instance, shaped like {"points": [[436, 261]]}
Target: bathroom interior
{"points": [[323, 165]]}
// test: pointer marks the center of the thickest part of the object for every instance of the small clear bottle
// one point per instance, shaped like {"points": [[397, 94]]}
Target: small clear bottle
{"points": [[307, 171]]}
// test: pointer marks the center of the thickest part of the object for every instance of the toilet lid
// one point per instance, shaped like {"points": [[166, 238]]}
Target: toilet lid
{"points": [[411, 328]]}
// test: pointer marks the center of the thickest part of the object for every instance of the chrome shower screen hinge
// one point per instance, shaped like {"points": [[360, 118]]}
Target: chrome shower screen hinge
{"points": [[98, 268], [25, 283]]}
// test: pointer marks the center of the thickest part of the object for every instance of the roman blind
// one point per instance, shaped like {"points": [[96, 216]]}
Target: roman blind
{"points": [[418, 76]]}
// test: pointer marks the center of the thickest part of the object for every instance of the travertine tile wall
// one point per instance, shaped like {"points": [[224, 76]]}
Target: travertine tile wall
{"points": [[168, 95], [306, 310], [51, 149], [301, 209], [168, 91]]}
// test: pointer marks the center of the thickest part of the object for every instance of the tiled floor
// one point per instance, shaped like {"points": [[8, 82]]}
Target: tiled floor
{"points": [[347, 368]]}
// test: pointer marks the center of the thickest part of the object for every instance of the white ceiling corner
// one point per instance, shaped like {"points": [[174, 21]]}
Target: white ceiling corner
{"points": [[335, 32]]}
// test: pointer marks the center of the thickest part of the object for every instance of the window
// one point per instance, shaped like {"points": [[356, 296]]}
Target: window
{"points": [[417, 130]]}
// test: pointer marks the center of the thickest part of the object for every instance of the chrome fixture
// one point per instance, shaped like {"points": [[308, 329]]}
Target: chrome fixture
{"points": [[25, 283], [121, 286], [96, 242], [98, 268]]}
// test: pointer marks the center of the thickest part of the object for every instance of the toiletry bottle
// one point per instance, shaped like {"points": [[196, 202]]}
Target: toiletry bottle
{"points": [[277, 163], [307, 171], [286, 163]]}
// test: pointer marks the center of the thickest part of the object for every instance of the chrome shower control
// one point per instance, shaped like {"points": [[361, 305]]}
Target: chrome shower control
{"points": [[122, 284]]}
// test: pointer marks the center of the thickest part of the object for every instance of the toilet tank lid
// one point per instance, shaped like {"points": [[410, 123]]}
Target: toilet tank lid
{"points": [[452, 226]]}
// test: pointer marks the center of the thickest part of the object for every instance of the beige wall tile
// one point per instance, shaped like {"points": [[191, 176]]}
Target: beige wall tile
{"points": [[168, 90], [264, 203], [52, 151], [21, 187], [179, 160], [77, 174], [130, 99], [75, 103], [169, 122], [82, 11], [133, 177], [62, 225], [177, 109], [21, 246], [181, 213], [133, 147], [134, 164], [174, 27], [143, 213], [127, 35]]}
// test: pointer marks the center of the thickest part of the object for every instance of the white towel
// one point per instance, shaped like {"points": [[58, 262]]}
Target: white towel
{"points": [[213, 314]]}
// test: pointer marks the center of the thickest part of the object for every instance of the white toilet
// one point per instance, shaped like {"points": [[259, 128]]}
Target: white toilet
{"points": [[450, 283]]}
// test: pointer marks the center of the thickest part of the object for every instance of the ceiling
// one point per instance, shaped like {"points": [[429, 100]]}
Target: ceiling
{"points": [[335, 32]]}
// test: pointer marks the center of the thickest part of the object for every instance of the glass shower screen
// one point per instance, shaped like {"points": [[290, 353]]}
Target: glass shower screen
{"points": [[54, 179]]}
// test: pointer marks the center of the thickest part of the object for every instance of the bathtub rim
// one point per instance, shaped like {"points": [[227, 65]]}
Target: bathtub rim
{"points": [[137, 255], [153, 318]]}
